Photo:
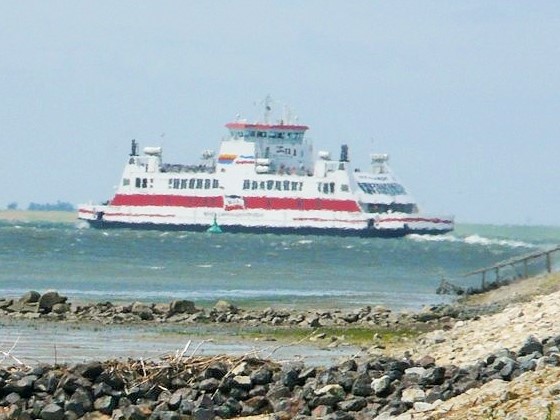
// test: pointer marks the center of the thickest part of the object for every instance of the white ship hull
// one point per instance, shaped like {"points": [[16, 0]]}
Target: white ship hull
{"points": [[264, 179]]}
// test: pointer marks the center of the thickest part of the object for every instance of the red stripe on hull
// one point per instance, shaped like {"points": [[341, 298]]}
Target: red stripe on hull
{"points": [[304, 204], [251, 203], [166, 200]]}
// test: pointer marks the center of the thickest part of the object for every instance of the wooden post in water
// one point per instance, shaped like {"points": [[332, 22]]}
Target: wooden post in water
{"points": [[548, 262]]}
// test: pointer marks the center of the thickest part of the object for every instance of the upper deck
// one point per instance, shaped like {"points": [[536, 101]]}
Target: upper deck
{"points": [[262, 131]]}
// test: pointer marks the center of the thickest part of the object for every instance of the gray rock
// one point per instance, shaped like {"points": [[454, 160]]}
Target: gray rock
{"points": [[362, 386], [52, 412], [80, 403], [412, 395], [135, 412], [381, 386], [229, 409], [61, 308], [225, 306], [22, 386], [203, 414], [209, 385], [242, 381], [168, 415], [105, 404], [181, 307], [531, 345], [353, 404], [216, 370], [256, 405], [30, 297], [49, 299], [261, 376]]}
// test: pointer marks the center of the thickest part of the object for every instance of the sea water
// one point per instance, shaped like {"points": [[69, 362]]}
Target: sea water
{"points": [[254, 270]]}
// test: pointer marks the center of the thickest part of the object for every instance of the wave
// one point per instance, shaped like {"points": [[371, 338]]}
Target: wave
{"points": [[473, 240]]}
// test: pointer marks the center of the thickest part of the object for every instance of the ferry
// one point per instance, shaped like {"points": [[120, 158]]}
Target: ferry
{"points": [[265, 178]]}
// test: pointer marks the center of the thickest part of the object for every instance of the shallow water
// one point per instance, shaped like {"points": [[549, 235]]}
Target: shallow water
{"points": [[291, 271], [33, 342]]}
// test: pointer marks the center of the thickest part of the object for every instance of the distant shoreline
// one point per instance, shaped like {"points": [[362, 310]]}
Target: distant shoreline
{"points": [[39, 216]]}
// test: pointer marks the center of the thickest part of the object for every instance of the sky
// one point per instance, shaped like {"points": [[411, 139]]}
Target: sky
{"points": [[463, 95]]}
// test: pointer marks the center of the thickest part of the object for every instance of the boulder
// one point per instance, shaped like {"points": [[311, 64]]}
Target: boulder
{"points": [[181, 307], [30, 297], [49, 299], [225, 306]]}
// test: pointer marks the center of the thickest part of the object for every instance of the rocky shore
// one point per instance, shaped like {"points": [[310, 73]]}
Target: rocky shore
{"points": [[53, 306], [481, 363]]}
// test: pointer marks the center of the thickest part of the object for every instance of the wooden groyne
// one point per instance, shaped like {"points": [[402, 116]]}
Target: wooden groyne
{"points": [[519, 265]]}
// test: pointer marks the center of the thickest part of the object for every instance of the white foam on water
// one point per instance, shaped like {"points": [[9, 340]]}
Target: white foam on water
{"points": [[472, 240]]}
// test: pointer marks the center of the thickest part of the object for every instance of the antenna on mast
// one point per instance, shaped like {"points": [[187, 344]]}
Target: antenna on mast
{"points": [[267, 108]]}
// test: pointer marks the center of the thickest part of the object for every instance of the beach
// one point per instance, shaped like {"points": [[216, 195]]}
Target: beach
{"points": [[502, 361]]}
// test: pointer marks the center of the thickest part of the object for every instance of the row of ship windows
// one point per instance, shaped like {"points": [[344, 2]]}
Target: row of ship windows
{"points": [[324, 187], [176, 183], [140, 182], [272, 185], [387, 189], [193, 183], [268, 134], [330, 187]]}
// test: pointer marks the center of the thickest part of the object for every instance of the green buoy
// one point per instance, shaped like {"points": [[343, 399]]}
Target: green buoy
{"points": [[214, 228]]}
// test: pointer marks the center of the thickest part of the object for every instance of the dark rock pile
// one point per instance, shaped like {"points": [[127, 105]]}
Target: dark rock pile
{"points": [[53, 306], [222, 387]]}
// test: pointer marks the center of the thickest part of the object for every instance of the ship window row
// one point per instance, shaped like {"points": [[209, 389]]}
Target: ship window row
{"points": [[325, 187], [387, 189], [271, 185], [193, 183], [268, 134], [140, 182], [408, 208]]}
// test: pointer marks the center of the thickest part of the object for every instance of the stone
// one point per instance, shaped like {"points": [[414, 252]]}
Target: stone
{"points": [[89, 370], [362, 386], [49, 299], [23, 386], [30, 297], [216, 370], [261, 376], [60, 308], [209, 385], [52, 412], [143, 311], [181, 307], [412, 395], [242, 381], [381, 386], [225, 306], [352, 404], [531, 345], [79, 403], [136, 412], [105, 404], [427, 362], [256, 405]]}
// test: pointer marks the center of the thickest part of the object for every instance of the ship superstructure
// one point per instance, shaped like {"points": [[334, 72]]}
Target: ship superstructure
{"points": [[266, 177]]}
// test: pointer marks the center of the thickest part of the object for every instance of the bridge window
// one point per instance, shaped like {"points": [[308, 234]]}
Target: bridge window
{"points": [[207, 184], [246, 184], [254, 185], [199, 184], [278, 185], [215, 183], [269, 185], [192, 183]]}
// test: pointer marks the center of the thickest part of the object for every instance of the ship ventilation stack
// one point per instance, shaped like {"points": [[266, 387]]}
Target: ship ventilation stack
{"points": [[344, 153]]}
